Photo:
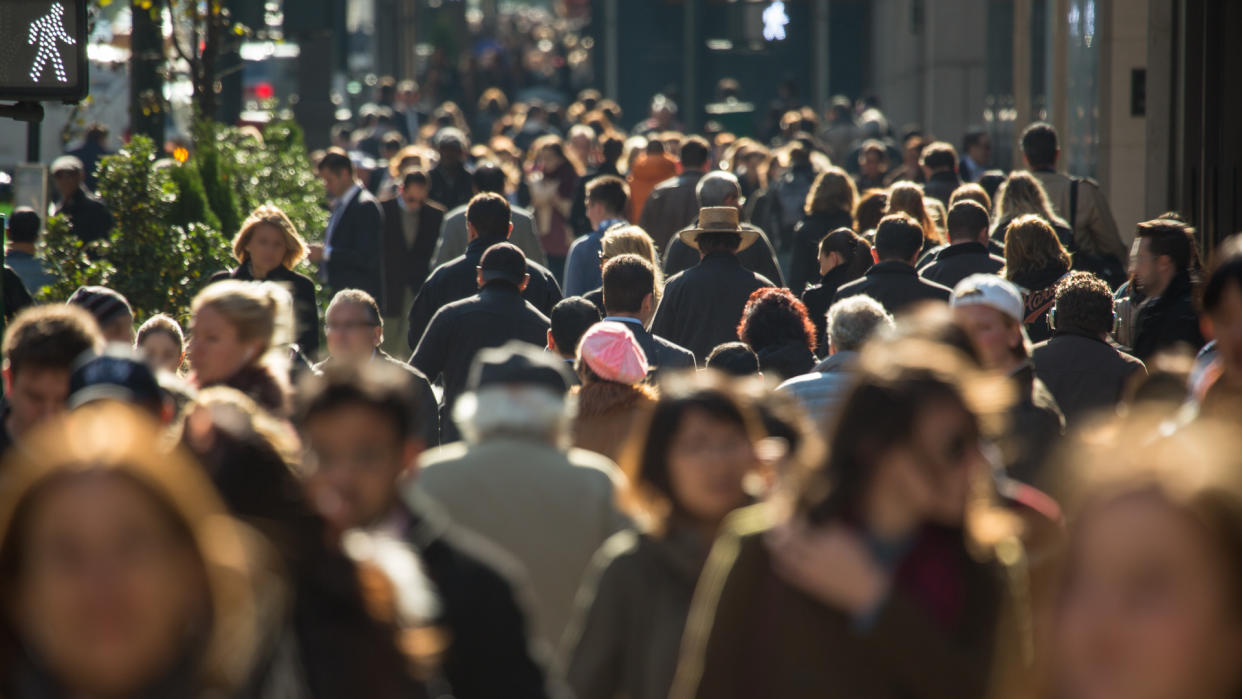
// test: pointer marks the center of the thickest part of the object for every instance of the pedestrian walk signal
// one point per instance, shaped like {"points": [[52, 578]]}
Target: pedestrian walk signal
{"points": [[43, 50]]}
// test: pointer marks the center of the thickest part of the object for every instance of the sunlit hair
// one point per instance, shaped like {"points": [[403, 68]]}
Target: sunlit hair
{"points": [[120, 443], [517, 411], [1195, 469], [633, 240], [939, 215], [907, 198], [161, 324], [832, 190], [973, 192], [870, 210], [648, 494], [1031, 244], [773, 316], [268, 215], [257, 310], [1022, 194]]}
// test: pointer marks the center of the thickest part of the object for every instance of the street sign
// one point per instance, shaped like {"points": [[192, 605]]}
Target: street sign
{"points": [[43, 50]]}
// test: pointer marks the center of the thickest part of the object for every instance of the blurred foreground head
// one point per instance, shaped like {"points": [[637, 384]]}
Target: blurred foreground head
{"points": [[1151, 594], [121, 571]]}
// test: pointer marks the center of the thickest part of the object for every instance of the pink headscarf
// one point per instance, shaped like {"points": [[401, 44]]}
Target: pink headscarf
{"points": [[612, 353]]}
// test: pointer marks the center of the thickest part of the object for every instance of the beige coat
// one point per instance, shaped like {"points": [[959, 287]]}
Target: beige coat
{"points": [[1095, 231], [550, 509]]}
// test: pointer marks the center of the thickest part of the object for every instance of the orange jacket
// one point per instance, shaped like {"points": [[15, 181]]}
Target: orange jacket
{"points": [[648, 171]]}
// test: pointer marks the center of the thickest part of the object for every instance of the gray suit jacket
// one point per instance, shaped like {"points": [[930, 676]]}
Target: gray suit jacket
{"points": [[453, 236]]}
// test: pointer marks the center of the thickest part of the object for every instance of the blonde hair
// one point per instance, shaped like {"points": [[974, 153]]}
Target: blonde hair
{"points": [[295, 246], [907, 198], [257, 310], [938, 214], [633, 240], [1030, 244], [1021, 193], [971, 191], [832, 190]]}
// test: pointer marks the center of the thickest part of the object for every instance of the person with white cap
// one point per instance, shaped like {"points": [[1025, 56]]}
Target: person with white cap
{"points": [[990, 310], [89, 218]]}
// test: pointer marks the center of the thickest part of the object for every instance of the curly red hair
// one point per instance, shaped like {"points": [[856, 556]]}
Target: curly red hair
{"points": [[774, 316]]}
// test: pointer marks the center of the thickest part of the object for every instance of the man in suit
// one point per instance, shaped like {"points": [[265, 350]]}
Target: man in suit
{"points": [[702, 305], [893, 280], [411, 227], [488, 222], [629, 298], [350, 255], [488, 177], [490, 318]]}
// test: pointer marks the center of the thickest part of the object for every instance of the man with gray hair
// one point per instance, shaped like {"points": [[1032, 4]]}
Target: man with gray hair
{"points": [[516, 481], [851, 322], [720, 188]]}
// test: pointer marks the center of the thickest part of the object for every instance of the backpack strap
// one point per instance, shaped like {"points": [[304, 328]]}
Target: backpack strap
{"points": [[1073, 203]]}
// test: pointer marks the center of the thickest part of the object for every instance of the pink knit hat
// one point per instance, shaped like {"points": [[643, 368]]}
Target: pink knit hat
{"points": [[612, 353]]}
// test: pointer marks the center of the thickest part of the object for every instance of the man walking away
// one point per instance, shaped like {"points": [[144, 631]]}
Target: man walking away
{"points": [[967, 252]]}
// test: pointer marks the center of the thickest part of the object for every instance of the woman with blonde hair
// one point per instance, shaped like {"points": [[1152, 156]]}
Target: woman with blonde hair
{"points": [[1021, 194], [239, 338], [268, 249], [829, 205], [1035, 261], [627, 240], [907, 198]]}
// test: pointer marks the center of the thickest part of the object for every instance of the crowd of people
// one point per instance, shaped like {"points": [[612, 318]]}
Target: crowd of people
{"points": [[598, 414]]}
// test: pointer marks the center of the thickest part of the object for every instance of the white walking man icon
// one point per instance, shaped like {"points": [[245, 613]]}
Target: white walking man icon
{"points": [[774, 21], [47, 32]]}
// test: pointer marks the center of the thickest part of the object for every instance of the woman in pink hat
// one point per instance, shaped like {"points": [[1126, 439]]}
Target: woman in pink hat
{"points": [[612, 368]]}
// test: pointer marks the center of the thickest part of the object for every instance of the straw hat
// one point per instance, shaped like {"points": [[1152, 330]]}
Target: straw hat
{"points": [[718, 219]]}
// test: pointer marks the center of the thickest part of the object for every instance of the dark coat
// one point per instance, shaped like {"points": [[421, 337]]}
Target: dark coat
{"points": [[429, 412], [596, 297], [804, 264], [1085, 374], [1167, 321], [1036, 425], [305, 307], [941, 185], [483, 610], [954, 263], [16, 296], [405, 266], [818, 299], [630, 614], [661, 354], [451, 185], [490, 318], [1039, 293], [701, 306], [759, 258], [458, 279], [786, 360], [262, 386], [895, 285], [671, 206], [89, 218], [751, 634], [578, 219], [357, 248]]}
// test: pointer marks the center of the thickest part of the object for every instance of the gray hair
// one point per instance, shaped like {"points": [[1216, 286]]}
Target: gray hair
{"points": [[853, 321], [716, 186], [515, 410]]}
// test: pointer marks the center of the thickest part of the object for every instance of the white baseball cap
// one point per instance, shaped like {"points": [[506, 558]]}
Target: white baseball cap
{"points": [[991, 291]]}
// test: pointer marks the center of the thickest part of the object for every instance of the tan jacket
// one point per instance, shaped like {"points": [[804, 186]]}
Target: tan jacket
{"points": [[550, 509], [1095, 231]]}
